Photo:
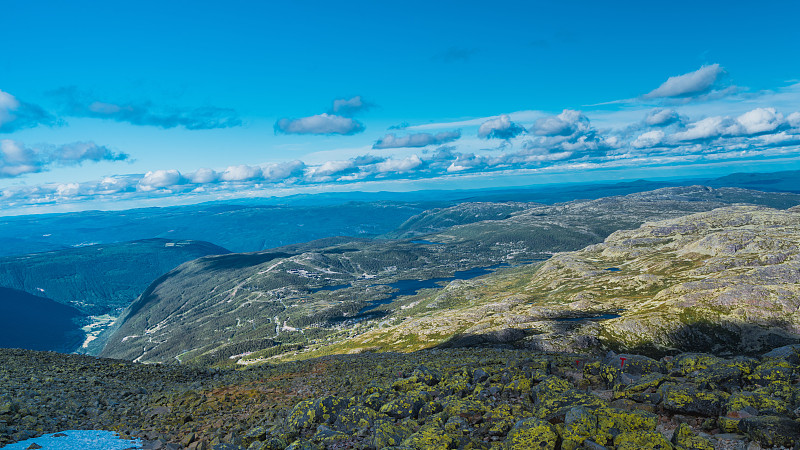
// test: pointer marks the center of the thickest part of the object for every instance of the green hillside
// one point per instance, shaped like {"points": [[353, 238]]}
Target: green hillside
{"points": [[311, 298]]}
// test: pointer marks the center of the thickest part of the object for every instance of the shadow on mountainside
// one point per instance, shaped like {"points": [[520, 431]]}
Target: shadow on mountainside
{"points": [[724, 338]]}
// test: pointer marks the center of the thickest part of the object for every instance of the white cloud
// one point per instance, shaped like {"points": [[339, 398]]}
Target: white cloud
{"points": [[694, 83], [760, 120], [649, 139], [159, 179], [399, 165], [17, 159], [661, 117], [8, 103], [501, 127], [756, 121], [708, 128], [68, 189], [319, 124], [568, 123], [203, 176], [328, 168], [282, 171], [793, 120], [416, 140], [241, 172], [112, 185], [349, 107], [16, 115], [78, 152]]}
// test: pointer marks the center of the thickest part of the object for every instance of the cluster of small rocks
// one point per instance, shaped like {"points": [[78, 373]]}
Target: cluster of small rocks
{"points": [[440, 399]]}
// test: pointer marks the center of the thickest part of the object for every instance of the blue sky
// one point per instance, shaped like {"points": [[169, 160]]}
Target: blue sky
{"points": [[111, 104]]}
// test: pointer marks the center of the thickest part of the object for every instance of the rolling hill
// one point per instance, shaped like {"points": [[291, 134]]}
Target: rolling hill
{"points": [[266, 303]]}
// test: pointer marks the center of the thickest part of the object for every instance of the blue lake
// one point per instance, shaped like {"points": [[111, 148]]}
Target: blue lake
{"points": [[411, 287], [605, 316]]}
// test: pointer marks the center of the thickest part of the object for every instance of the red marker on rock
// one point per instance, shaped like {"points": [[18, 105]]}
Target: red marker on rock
{"points": [[622, 362]]}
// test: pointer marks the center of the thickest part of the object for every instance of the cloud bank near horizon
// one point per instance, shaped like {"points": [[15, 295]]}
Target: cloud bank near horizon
{"points": [[671, 132], [566, 141]]}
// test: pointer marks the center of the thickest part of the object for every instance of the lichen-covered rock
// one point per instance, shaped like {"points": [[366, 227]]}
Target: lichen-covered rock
{"points": [[302, 444], [761, 402], [580, 424], [355, 418], [389, 434], [429, 437], [633, 364], [272, 443], [479, 375], [612, 421], [254, 434], [322, 410], [771, 430], [464, 407], [501, 419], [790, 353], [646, 384], [728, 424], [686, 399], [531, 434], [770, 371], [642, 440], [723, 374], [406, 405], [554, 404], [328, 437], [520, 384], [423, 374], [303, 415], [685, 439]]}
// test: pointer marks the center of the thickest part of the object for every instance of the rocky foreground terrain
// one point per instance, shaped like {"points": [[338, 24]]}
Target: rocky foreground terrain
{"points": [[434, 399]]}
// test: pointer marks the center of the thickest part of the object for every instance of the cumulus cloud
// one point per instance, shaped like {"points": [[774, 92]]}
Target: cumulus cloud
{"points": [[17, 159], [761, 120], [569, 131], [500, 128], [158, 179], [281, 171], [649, 139], [16, 115], [81, 104], [202, 176], [78, 152], [399, 165], [754, 122], [329, 168], [660, 117], [241, 172], [348, 107], [701, 81], [320, 124], [793, 120], [567, 123], [416, 140]]}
